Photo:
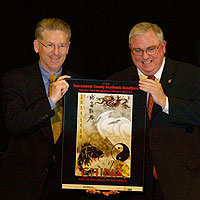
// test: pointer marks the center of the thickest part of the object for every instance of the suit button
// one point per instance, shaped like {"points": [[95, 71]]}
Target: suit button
{"points": [[45, 116]]}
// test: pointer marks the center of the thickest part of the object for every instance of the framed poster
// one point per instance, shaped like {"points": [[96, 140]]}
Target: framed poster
{"points": [[104, 135]]}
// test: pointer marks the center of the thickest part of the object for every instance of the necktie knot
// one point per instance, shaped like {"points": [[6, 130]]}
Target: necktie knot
{"points": [[52, 78], [151, 77]]}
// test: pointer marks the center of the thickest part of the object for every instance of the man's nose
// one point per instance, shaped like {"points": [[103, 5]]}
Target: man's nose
{"points": [[144, 54], [55, 49]]}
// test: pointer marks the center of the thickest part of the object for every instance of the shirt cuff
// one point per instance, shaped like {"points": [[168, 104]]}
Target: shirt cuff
{"points": [[52, 104], [166, 108]]}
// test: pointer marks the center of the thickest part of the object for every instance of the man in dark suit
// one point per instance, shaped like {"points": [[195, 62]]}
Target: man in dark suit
{"points": [[31, 165], [173, 131]]}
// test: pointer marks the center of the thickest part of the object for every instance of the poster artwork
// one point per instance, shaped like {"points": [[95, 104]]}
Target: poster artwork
{"points": [[104, 127]]}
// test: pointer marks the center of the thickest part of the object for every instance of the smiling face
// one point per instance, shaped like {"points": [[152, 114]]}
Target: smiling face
{"points": [[148, 64], [53, 59]]}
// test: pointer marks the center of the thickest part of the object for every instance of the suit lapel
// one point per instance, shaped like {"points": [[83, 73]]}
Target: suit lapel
{"points": [[35, 83], [132, 74], [167, 75], [37, 88]]}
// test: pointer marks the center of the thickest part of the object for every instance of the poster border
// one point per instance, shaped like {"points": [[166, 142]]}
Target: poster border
{"points": [[73, 91]]}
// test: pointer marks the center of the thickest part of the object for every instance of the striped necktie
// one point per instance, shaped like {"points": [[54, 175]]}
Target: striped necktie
{"points": [[150, 101], [149, 111]]}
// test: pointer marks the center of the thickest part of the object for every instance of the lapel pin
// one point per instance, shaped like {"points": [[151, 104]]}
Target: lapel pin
{"points": [[170, 80]]}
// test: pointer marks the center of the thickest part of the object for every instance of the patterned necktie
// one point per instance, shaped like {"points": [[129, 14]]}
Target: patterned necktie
{"points": [[150, 101], [149, 111], [56, 120]]}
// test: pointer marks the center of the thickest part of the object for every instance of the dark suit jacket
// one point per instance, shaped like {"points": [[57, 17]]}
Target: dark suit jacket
{"points": [[174, 139], [31, 150]]}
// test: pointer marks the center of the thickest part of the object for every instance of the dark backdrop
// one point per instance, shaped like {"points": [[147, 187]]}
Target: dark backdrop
{"points": [[100, 28]]}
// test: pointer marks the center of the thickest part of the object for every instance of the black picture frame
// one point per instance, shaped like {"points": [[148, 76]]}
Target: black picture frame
{"points": [[97, 113]]}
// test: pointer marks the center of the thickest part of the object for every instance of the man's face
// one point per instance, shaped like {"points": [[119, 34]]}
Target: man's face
{"points": [[52, 58], [148, 64]]}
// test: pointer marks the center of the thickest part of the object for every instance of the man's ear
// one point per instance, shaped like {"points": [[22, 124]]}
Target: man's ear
{"points": [[163, 44], [36, 46], [68, 48]]}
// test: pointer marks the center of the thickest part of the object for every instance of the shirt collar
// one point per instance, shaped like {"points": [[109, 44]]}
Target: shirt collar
{"points": [[46, 75]]}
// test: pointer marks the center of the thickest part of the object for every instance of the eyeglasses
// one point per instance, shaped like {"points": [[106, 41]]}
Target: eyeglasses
{"points": [[50, 46], [150, 50]]}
